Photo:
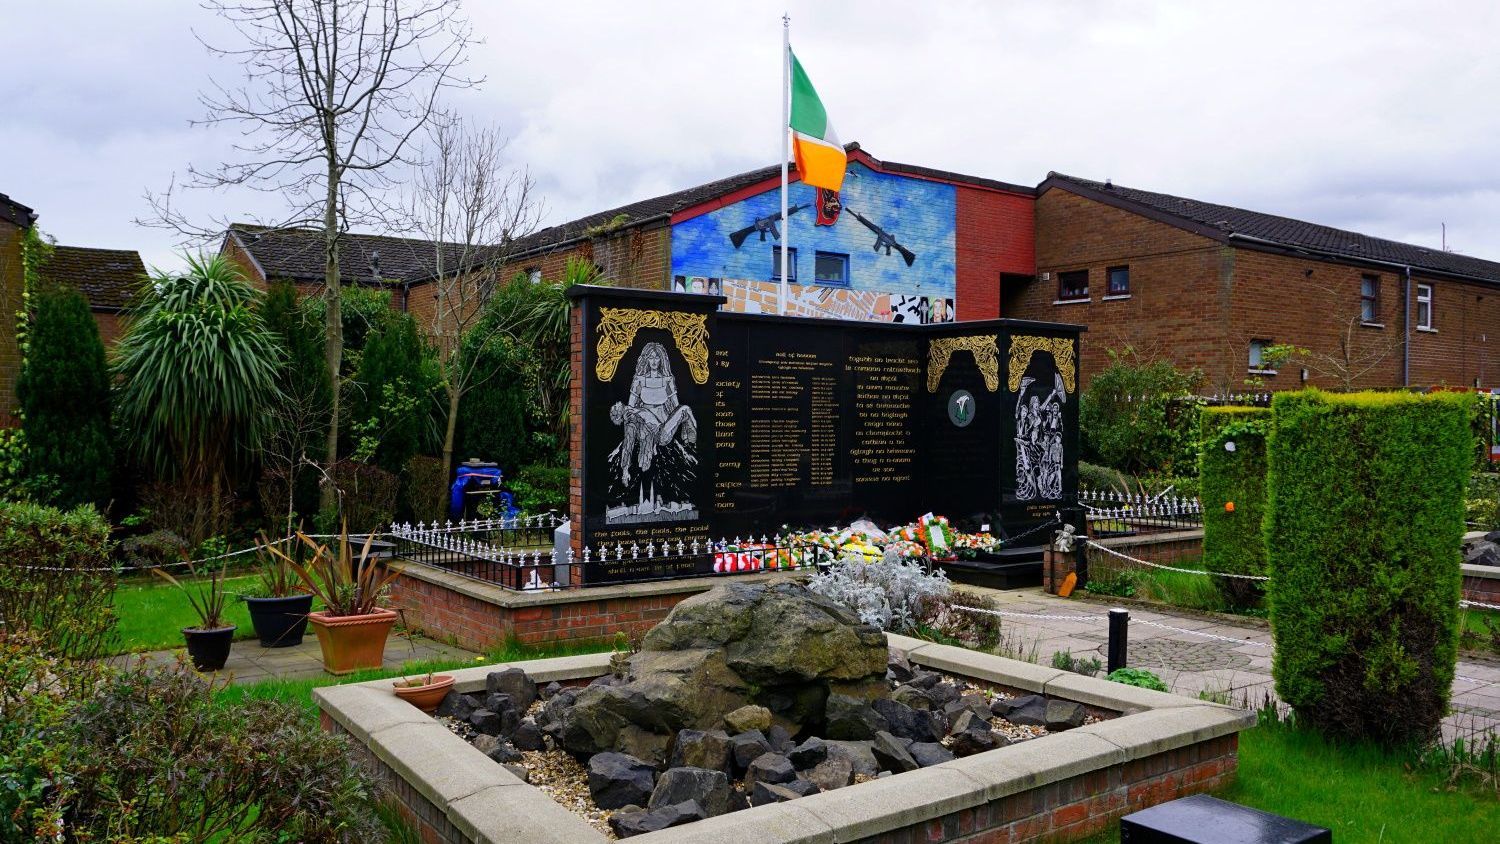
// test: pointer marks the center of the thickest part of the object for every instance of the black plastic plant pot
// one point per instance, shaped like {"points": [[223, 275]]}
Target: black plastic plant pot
{"points": [[209, 649], [280, 622]]}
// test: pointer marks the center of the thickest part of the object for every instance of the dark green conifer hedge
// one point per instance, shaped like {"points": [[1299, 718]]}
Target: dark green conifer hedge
{"points": [[1365, 516]]}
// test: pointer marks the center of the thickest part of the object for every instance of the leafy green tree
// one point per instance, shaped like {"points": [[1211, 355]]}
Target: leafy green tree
{"points": [[390, 407], [196, 370], [493, 414], [1134, 417], [64, 393]]}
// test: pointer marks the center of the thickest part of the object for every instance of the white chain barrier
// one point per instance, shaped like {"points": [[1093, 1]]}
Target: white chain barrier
{"points": [[1138, 561]]}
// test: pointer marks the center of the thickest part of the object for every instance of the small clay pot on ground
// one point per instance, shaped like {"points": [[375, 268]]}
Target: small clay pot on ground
{"points": [[280, 622], [425, 697], [209, 649], [352, 642]]}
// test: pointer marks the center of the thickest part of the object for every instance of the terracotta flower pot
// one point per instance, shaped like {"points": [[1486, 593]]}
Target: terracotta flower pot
{"points": [[425, 697], [352, 642]]}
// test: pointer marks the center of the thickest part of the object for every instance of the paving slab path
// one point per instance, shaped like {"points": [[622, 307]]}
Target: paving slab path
{"points": [[250, 663], [1229, 659]]}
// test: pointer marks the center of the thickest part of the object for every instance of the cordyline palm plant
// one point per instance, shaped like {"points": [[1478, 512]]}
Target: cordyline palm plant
{"points": [[196, 370], [207, 596], [346, 584]]}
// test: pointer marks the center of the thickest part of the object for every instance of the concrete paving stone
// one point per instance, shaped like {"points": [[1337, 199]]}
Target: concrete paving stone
{"points": [[500, 815], [1029, 764], [880, 805], [776, 823]]}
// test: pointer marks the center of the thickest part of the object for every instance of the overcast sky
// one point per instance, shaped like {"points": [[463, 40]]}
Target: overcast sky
{"points": [[1373, 116]]}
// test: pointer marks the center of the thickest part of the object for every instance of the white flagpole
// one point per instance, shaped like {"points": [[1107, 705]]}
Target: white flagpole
{"points": [[786, 152]]}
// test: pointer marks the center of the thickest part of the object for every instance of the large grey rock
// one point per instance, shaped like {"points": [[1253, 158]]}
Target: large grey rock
{"points": [[748, 717], [909, 695], [929, 753], [770, 767], [1030, 710], [808, 754], [1484, 552], [716, 652], [973, 702], [909, 723], [627, 824], [774, 634], [528, 736], [456, 705], [858, 754], [617, 780], [746, 747], [764, 792], [834, 772], [972, 734], [891, 754], [551, 689], [851, 718], [897, 668], [1064, 715], [513, 682], [496, 748], [943, 694], [780, 739], [709, 788], [702, 749], [493, 723]]}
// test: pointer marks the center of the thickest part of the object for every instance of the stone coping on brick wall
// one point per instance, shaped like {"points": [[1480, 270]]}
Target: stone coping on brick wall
{"points": [[515, 599], [1481, 572], [489, 804]]}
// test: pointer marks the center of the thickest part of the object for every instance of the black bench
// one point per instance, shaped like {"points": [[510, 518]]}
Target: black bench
{"points": [[1201, 819]]}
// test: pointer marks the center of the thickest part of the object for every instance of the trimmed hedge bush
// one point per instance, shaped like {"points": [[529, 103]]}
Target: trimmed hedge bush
{"points": [[1364, 521], [57, 584], [1234, 542]]}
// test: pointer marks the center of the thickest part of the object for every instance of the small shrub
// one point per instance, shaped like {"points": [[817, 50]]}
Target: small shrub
{"points": [[1363, 528], [1234, 541], [1087, 666], [1094, 477], [539, 488], [1135, 415], [147, 754], [156, 548], [954, 617], [367, 494], [57, 584], [427, 489], [1137, 677], [892, 594]]}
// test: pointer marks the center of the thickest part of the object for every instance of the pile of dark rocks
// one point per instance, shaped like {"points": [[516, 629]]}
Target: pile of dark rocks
{"points": [[1483, 550], [747, 695]]}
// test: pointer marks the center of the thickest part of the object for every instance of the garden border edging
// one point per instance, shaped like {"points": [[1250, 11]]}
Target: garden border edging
{"points": [[1073, 779]]}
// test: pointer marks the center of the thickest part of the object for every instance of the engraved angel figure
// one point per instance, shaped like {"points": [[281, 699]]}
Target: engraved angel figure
{"points": [[657, 430]]}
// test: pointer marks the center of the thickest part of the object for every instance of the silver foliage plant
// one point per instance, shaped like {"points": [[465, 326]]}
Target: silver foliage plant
{"points": [[892, 594]]}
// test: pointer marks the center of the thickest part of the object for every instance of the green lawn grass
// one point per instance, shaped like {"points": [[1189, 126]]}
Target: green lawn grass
{"points": [[151, 613], [1362, 793], [298, 692]]}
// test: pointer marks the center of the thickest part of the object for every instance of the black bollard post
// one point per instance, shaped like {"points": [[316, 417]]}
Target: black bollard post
{"points": [[1119, 632]]}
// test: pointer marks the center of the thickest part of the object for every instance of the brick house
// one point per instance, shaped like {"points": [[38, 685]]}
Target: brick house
{"points": [[15, 219], [108, 278], [1212, 286]]}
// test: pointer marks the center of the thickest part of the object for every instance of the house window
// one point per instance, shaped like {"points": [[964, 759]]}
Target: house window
{"points": [[534, 275], [1119, 282], [1369, 299], [791, 257], [1073, 285], [1424, 306], [831, 268], [1258, 356]]}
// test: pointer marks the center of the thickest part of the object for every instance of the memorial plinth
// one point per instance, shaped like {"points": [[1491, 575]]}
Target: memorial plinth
{"points": [[696, 424]]}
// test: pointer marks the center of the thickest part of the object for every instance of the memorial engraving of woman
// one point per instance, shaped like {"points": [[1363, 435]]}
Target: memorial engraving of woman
{"points": [[1039, 440], [654, 467]]}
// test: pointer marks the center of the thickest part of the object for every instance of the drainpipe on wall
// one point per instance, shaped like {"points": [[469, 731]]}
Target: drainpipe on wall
{"points": [[1406, 329]]}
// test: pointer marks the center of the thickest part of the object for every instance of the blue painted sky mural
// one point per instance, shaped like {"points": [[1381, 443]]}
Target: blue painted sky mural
{"points": [[917, 214]]}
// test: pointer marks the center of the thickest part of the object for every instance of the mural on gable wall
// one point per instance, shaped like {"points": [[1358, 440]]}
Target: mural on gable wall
{"points": [[887, 255]]}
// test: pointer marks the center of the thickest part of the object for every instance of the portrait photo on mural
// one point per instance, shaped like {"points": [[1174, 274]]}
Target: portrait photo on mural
{"points": [[653, 467], [1042, 396]]}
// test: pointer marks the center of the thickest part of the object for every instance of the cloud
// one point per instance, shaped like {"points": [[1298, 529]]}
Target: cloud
{"points": [[1344, 113]]}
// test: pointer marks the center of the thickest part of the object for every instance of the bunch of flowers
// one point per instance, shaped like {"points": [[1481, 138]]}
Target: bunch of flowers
{"points": [[971, 545]]}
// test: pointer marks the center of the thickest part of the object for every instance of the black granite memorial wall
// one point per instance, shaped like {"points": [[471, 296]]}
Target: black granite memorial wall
{"points": [[699, 424]]}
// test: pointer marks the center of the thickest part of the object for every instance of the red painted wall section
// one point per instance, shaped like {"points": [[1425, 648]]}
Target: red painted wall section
{"points": [[995, 234]]}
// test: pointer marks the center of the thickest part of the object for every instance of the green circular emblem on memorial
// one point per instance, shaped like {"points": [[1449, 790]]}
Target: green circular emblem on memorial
{"points": [[961, 408]]}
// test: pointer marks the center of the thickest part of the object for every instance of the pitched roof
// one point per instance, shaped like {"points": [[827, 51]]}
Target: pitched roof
{"points": [[1229, 224], [296, 254], [108, 277], [15, 213]]}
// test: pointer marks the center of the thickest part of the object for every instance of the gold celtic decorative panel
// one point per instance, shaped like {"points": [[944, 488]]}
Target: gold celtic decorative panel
{"points": [[618, 327], [1061, 349], [984, 347]]}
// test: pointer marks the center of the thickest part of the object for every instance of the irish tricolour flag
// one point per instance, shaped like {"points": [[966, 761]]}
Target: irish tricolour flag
{"points": [[819, 155]]}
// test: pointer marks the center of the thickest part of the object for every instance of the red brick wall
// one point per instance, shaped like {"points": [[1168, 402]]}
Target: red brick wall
{"points": [[111, 326], [12, 284], [1484, 590], [1199, 303], [994, 234]]}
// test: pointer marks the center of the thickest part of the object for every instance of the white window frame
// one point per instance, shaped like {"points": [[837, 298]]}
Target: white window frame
{"points": [[1424, 297], [1258, 348]]}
